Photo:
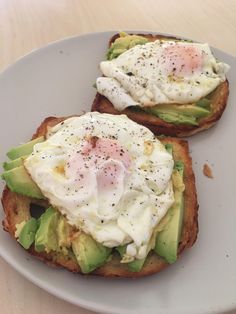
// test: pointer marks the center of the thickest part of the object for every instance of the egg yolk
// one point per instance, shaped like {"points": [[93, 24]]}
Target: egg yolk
{"points": [[107, 157], [182, 60]]}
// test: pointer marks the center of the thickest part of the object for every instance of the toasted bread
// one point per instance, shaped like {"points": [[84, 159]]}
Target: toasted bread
{"points": [[17, 209], [158, 126]]}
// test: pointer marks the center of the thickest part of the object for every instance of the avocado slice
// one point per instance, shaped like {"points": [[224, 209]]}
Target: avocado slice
{"points": [[121, 249], [46, 238], [167, 241], [188, 110], [179, 114], [169, 148], [24, 149], [177, 118], [123, 43], [8, 165], [89, 253], [134, 266], [204, 103], [18, 180], [27, 234]]}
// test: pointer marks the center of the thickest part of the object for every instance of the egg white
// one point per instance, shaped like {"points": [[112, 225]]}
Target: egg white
{"points": [[127, 213]]}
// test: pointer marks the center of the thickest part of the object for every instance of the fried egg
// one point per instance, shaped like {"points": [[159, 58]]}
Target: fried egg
{"points": [[161, 72], [108, 175]]}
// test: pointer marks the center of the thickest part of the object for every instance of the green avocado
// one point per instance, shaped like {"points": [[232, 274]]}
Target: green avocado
{"points": [[123, 43], [46, 238], [188, 110], [24, 149], [121, 249], [167, 241], [8, 165], [176, 118], [134, 266], [179, 114], [89, 253], [169, 148], [204, 103], [27, 234], [18, 180]]}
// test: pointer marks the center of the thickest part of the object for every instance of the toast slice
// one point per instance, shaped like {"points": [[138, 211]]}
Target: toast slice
{"points": [[17, 209], [158, 126]]}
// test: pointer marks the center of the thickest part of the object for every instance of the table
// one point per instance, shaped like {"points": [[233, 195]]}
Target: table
{"points": [[29, 24]]}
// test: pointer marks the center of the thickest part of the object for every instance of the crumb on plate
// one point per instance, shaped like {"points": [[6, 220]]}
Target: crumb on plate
{"points": [[207, 171]]}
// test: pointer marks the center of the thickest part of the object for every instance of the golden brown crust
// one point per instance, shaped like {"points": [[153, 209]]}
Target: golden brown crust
{"points": [[156, 125], [16, 208]]}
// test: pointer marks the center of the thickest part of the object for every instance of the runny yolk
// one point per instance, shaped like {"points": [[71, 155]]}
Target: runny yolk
{"points": [[182, 60], [106, 157]]}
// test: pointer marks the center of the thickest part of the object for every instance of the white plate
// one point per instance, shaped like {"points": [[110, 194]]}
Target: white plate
{"points": [[57, 80]]}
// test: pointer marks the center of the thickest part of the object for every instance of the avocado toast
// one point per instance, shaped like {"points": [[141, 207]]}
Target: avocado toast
{"points": [[46, 234], [178, 118]]}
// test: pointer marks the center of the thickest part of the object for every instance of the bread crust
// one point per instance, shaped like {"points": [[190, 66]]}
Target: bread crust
{"points": [[158, 126], [17, 209]]}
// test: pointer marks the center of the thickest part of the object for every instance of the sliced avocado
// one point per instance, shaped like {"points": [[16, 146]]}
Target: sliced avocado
{"points": [[27, 234], [167, 240], [89, 253], [179, 114], [8, 165], [177, 118], [123, 43], [134, 266], [24, 149], [46, 236], [188, 110], [169, 148], [121, 249], [19, 181], [204, 103]]}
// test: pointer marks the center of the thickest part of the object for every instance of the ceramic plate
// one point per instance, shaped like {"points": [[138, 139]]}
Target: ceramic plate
{"points": [[56, 81]]}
